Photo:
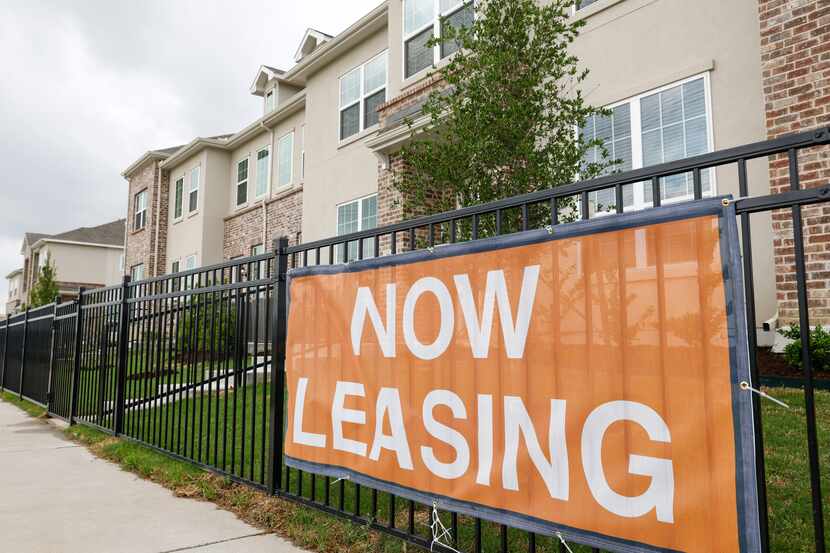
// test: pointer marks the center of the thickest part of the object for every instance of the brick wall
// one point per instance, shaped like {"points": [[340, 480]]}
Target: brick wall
{"points": [[795, 55], [283, 215], [391, 204], [140, 245]]}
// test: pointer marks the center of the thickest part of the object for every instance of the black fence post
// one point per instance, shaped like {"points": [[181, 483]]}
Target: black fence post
{"points": [[123, 347], [279, 317], [23, 352], [76, 368], [53, 328], [5, 354]]}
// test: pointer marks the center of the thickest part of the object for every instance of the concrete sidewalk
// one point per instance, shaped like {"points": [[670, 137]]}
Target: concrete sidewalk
{"points": [[56, 497]]}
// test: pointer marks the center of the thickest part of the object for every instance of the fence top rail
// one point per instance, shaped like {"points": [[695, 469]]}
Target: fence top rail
{"points": [[747, 152], [230, 264]]}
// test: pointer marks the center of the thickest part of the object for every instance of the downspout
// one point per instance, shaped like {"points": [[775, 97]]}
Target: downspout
{"points": [[265, 199], [158, 223]]}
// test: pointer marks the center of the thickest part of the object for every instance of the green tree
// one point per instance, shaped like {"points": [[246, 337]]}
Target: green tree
{"points": [[504, 120], [45, 289]]}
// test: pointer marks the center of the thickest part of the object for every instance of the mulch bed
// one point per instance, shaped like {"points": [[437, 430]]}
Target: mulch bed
{"points": [[774, 364]]}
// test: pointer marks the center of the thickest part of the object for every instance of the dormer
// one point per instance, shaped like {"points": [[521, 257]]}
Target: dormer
{"points": [[266, 85], [312, 40], [272, 88]]}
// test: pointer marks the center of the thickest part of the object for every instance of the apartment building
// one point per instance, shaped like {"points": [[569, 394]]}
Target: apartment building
{"points": [[88, 257], [15, 286], [681, 78]]}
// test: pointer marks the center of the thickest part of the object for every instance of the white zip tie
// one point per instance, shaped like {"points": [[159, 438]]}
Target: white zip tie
{"points": [[439, 531], [338, 480], [747, 388], [561, 539]]}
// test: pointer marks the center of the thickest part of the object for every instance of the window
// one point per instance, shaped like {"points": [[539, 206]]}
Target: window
{"points": [[177, 209], [263, 171], [285, 159], [193, 196], [140, 210], [269, 101], [190, 263], [584, 4], [175, 267], [137, 273], [259, 249], [362, 91], [421, 25], [242, 182], [665, 125], [354, 217]]}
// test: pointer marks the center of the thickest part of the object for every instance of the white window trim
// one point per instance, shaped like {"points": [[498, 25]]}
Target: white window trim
{"points": [[273, 93], [237, 182], [436, 33], [361, 101], [195, 258], [360, 228], [133, 271], [191, 190], [268, 170], [637, 141], [183, 178], [143, 210], [278, 161], [359, 212]]}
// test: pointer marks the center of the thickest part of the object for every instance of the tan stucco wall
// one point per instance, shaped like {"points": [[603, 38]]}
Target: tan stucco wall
{"points": [[335, 172], [85, 264], [185, 235], [719, 38]]}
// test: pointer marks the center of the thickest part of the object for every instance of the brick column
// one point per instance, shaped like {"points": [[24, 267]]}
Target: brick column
{"points": [[795, 56]]}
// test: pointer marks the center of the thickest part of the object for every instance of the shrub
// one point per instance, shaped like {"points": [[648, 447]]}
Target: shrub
{"points": [[206, 326], [819, 347]]}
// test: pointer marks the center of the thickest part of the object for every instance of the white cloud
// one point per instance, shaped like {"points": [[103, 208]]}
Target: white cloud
{"points": [[88, 86]]}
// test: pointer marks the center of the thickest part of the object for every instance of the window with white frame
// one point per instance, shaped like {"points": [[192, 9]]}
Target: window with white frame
{"points": [[242, 182], [193, 195], [175, 267], [270, 102], [356, 216], [137, 272], [285, 160], [140, 210], [179, 199], [667, 124], [362, 91], [584, 3], [263, 171], [259, 269], [428, 19], [190, 262]]}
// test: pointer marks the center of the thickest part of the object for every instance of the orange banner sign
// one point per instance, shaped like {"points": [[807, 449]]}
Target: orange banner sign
{"points": [[585, 381]]}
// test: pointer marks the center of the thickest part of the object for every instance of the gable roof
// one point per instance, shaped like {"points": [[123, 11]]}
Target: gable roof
{"points": [[109, 234], [312, 40], [264, 74]]}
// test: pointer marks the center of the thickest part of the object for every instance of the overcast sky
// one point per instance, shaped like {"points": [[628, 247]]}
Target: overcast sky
{"points": [[88, 86]]}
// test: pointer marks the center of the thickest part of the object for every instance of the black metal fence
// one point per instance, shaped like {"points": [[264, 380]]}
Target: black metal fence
{"points": [[192, 364]]}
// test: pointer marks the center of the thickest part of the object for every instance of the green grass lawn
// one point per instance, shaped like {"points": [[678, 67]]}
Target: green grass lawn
{"points": [[785, 442], [784, 435]]}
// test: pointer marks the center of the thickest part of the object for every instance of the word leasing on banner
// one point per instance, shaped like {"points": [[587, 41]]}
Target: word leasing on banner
{"points": [[584, 381]]}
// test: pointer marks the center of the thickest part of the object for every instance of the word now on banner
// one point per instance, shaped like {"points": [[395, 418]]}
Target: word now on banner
{"points": [[584, 381]]}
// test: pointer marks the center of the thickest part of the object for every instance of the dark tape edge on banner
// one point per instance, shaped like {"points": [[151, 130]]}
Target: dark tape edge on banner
{"points": [[743, 426], [743, 421], [499, 516]]}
